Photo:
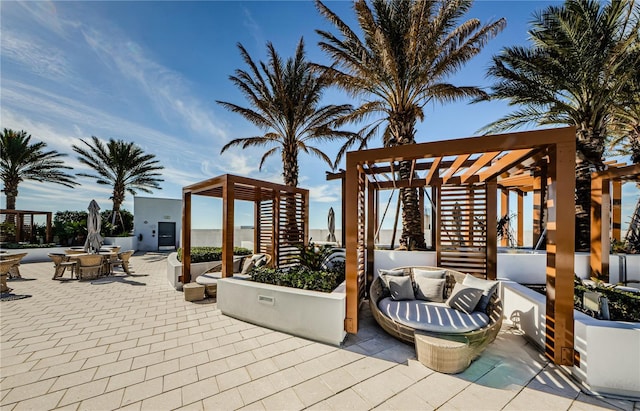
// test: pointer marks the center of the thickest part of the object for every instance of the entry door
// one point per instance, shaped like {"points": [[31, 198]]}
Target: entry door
{"points": [[166, 235]]}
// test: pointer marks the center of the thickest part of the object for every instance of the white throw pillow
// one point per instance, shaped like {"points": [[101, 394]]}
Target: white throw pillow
{"points": [[430, 289], [487, 287], [417, 272], [464, 298]]}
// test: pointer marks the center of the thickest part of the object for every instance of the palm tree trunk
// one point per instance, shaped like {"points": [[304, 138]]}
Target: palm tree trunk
{"points": [[589, 151], [402, 128], [290, 175]]}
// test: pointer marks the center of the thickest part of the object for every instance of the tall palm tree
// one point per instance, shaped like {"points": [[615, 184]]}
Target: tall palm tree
{"points": [[24, 161], [284, 99], [625, 130], [582, 57], [408, 51], [122, 165]]}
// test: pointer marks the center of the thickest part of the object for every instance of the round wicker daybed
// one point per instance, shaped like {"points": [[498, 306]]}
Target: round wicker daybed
{"points": [[473, 342]]}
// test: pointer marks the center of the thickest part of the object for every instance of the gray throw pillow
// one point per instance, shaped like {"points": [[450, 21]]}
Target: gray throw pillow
{"points": [[384, 274], [430, 289], [417, 272], [464, 298], [487, 287], [401, 288]]}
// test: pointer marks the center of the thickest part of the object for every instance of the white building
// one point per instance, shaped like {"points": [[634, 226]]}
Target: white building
{"points": [[157, 223]]}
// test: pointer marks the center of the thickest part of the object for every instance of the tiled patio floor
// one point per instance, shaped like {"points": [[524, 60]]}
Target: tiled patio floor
{"points": [[134, 343]]}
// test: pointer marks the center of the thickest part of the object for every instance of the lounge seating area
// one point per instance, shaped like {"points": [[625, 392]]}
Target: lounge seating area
{"points": [[432, 307], [241, 267]]}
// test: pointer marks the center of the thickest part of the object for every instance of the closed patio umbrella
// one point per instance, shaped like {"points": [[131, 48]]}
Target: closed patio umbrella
{"points": [[94, 223], [331, 222]]}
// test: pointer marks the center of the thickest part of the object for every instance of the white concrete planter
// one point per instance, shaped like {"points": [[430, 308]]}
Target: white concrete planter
{"points": [[174, 270], [125, 243], [309, 314], [609, 354]]}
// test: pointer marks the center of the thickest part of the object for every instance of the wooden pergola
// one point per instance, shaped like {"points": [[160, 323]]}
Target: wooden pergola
{"points": [[24, 222], [605, 185], [281, 223], [465, 175]]}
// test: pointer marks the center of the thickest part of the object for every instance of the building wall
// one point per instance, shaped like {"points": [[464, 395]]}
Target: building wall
{"points": [[148, 212]]}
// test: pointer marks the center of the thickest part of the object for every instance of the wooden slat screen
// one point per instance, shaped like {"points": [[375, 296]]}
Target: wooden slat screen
{"points": [[361, 246], [291, 233], [266, 227], [463, 239]]}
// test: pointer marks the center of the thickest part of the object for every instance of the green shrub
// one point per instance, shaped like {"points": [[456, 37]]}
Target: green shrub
{"points": [[206, 254], [301, 277], [623, 305], [316, 257], [15, 246]]}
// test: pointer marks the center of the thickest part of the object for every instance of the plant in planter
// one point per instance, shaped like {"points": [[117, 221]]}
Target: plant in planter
{"points": [[318, 268], [206, 254]]}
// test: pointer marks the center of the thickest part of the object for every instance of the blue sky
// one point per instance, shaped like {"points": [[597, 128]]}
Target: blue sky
{"points": [[150, 72]]}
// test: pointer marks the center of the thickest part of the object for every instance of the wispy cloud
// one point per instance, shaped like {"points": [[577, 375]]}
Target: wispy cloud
{"points": [[325, 193], [167, 90], [44, 60], [253, 28]]}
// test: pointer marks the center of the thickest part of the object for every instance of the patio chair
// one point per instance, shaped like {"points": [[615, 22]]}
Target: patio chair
{"points": [[14, 269], [72, 251], [5, 265], [89, 266], [61, 263], [122, 260]]}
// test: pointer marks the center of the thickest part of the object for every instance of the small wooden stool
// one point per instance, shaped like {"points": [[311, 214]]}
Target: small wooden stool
{"points": [[442, 355], [193, 292]]}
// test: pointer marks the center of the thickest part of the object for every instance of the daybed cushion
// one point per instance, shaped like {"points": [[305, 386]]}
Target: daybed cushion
{"points": [[208, 279], [384, 274], [401, 288], [430, 289], [487, 287], [417, 272], [464, 298], [434, 317]]}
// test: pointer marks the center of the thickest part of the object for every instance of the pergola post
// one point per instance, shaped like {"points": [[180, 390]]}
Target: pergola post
{"points": [[492, 231], [504, 212], [438, 224], [351, 236], [600, 244], [616, 215], [49, 232], [560, 254], [372, 216], [186, 237], [520, 218], [228, 200], [539, 188]]}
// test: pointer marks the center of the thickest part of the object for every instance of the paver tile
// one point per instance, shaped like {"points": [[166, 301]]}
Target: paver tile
{"points": [[256, 390], [283, 400], [109, 401], [200, 390], [179, 379], [84, 391], [165, 401], [226, 400], [43, 402]]}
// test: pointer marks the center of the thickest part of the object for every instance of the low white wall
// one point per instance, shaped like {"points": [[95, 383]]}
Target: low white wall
{"points": [[309, 314], [609, 354], [36, 255], [174, 270], [387, 259], [531, 268], [125, 243]]}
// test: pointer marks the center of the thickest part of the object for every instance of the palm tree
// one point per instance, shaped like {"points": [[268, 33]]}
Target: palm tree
{"points": [[122, 165], [285, 98], [24, 161], [407, 52], [582, 58], [626, 123]]}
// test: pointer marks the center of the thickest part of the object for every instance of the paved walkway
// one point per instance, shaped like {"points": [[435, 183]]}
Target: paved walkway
{"points": [[134, 343]]}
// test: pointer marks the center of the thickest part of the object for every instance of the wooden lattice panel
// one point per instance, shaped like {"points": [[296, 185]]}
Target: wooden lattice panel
{"points": [[463, 238], [265, 224], [291, 227], [361, 236]]}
